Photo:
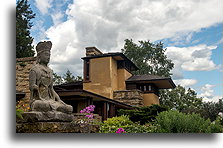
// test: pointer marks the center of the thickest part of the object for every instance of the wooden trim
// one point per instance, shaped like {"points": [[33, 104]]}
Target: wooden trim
{"points": [[89, 101], [104, 112], [111, 110]]}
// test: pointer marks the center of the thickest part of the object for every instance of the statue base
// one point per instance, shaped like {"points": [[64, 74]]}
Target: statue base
{"points": [[56, 127], [50, 116], [52, 122]]}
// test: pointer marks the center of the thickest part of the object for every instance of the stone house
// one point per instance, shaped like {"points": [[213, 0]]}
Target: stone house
{"points": [[23, 66], [108, 83]]}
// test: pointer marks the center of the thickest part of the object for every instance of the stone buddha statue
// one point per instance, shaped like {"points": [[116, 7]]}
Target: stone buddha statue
{"points": [[43, 98]]}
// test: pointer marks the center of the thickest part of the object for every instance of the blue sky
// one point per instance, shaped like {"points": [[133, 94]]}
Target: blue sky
{"points": [[192, 32]]}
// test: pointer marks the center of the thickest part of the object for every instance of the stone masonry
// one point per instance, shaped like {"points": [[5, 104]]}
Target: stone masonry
{"points": [[23, 66], [130, 97]]}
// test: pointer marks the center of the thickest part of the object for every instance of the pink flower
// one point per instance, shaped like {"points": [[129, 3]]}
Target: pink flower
{"points": [[90, 116], [88, 109], [120, 130]]}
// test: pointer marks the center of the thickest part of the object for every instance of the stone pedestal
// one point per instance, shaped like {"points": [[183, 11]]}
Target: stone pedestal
{"points": [[51, 116], [52, 122], [55, 127]]}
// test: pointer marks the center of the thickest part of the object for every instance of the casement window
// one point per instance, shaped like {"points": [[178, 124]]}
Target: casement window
{"points": [[86, 70], [146, 87]]}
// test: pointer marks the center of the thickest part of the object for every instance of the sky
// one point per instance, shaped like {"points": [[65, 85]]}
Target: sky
{"points": [[191, 30]]}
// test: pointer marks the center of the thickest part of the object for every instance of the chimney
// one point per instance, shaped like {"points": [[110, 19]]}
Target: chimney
{"points": [[92, 51]]}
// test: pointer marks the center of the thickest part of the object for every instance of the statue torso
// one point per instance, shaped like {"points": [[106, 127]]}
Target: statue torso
{"points": [[44, 80]]}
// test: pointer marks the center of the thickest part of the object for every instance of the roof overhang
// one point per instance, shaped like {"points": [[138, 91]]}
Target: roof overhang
{"points": [[165, 83], [119, 56], [67, 94]]}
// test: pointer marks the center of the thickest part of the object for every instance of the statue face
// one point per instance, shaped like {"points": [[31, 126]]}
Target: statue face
{"points": [[45, 57]]}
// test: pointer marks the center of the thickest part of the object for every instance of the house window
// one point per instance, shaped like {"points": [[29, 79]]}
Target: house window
{"points": [[145, 87], [149, 88], [87, 70]]}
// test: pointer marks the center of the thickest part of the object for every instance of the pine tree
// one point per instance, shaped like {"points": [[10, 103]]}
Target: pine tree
{"points": [[24, 14]]}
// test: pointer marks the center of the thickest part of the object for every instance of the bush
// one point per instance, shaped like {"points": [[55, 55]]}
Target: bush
{"points": [[111, 125], [19, 113], [143, 114], [177, 122]]}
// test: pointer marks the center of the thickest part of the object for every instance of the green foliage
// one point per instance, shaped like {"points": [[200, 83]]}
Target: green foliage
{"points": [[186, 101], [177, 122], [147, 52], [143, 114], [24, 14], [111, 125], [19, 113], [57, 79], [210, 110], [181, 99], [68, 77]]}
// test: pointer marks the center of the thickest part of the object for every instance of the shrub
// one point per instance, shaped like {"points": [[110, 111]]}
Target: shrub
{"points": [[177, 122], [113, 125], [143, 114], [19, 113]]}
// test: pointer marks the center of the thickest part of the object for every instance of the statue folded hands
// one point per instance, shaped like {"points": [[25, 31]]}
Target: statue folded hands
{"points": [[43, 98]]}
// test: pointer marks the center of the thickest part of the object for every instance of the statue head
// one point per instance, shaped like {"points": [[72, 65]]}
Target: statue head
{"points": [[43, 52]]}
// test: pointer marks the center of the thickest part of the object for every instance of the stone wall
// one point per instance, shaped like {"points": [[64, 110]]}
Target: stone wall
{"points": [[56, 122], [130, 97], [56, 127], [81, 116], [23, 66]]}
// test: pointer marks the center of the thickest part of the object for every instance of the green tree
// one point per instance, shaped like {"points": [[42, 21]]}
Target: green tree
{"points": [[210, 110], [150, 58], [181, 99], [57, 79], [24, 14], [143, 114], [177, 122], [68, 77]]}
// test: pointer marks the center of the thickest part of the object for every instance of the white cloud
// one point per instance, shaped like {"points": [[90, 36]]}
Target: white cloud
{"points": [[66, 52], [185, 82], [57, 16], [207, 93], [105, 24], [195, 58], [43, 5]]}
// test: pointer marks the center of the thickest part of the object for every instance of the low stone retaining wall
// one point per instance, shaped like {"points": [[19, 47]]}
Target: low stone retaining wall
{"points": [[56, 127], [79, 116], [57, 122], [130, 97]]}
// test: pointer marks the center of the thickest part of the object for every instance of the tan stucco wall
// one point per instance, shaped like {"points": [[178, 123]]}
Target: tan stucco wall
{"points": [[114, 77], [149, 99], [123, 75], [105, 77], [100, 77]]}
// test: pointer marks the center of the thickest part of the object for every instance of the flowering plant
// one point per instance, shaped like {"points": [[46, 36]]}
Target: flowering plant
{"points": [[120, 130], [88, 109]]}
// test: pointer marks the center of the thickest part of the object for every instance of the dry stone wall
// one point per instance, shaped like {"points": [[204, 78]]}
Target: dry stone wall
{"points": [[130, 97], [23, 66]]}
